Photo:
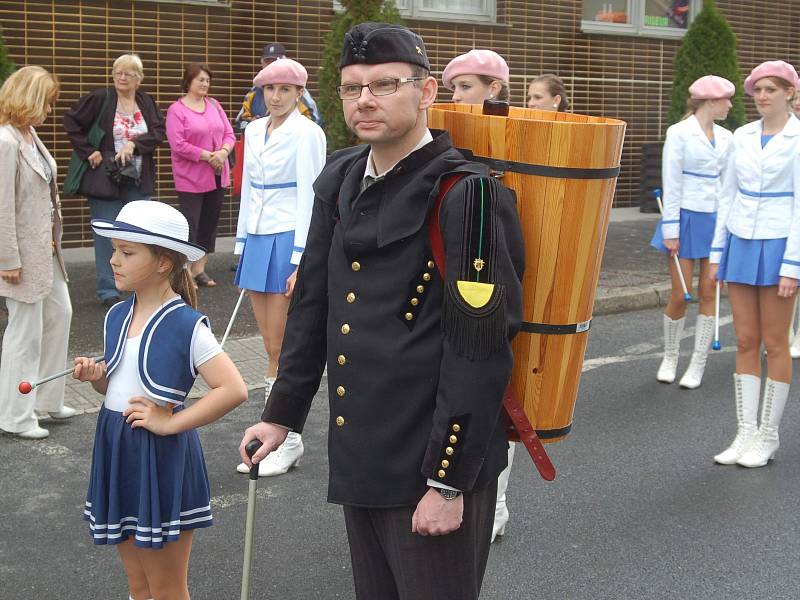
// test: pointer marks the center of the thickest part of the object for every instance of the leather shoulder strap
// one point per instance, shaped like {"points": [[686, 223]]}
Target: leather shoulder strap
{"points": [[434, 229]]}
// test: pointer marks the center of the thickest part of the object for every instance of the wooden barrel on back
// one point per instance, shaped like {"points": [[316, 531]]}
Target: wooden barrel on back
{"points": [[564, 202]]}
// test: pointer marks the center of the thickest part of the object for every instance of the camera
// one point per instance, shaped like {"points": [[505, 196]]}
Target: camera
{"points": [[119, 174]]}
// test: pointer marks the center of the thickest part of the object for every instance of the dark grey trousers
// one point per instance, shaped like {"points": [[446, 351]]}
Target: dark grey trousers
{"points": [[391, 563]]}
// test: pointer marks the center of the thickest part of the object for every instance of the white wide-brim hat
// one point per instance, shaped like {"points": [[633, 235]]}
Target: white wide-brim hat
{"points": [[151, 222]]}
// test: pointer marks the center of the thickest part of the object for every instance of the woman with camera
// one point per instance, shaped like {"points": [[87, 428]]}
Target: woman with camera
{"points": [[122, 168]]}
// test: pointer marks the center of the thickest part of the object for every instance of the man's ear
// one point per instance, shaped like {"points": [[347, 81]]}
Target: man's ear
{"points": [[429, 89]]}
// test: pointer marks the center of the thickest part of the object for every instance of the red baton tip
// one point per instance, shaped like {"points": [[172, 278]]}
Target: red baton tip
{"points": [[25, 387]]}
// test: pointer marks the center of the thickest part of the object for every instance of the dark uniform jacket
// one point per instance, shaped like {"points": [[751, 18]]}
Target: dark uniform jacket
{"points": [[415, 377]]}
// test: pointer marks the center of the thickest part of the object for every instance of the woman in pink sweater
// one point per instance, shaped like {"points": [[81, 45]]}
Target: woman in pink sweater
{"points": [[200, 139]]}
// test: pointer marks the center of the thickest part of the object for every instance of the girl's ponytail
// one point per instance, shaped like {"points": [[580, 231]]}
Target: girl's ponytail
{"points": [[180, 278], [183, 284]]}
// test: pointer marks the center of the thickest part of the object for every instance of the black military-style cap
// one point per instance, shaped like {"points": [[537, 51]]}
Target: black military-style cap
{"points": [[376, 43], [273, 51]]}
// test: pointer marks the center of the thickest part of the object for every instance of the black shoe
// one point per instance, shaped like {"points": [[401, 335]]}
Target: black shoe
{"points": [[110, 301]]}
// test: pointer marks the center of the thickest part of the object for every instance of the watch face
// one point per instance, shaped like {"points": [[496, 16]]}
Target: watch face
{"points": [[448, 494]]}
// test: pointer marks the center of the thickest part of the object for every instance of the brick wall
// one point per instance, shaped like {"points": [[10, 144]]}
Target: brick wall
{"points": [[624, 77]]}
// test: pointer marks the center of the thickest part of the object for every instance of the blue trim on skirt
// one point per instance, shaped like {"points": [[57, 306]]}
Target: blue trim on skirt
{"points": [[752, 262], [696, 234], [266, 262], [147, 486]]}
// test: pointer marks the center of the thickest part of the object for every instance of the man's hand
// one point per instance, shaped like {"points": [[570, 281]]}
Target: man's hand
{"points": [[437, 516], [270, 435]]}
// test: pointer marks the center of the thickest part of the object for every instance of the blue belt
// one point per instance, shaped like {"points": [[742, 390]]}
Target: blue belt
{"points": [[693, 174], [273, 186], [767, 194]]}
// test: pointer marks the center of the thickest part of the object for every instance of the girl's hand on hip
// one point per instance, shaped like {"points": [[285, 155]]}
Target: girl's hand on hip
{"points": [[13, 276], [787, 287], [146, 413]]}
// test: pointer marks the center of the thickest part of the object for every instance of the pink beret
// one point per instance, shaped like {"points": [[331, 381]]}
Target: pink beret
{"points": [[771, 68], [711, 87], [476, 62], [283, 70]]}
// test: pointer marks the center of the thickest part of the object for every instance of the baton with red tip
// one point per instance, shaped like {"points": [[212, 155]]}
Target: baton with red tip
{"points": [[26, 387]]}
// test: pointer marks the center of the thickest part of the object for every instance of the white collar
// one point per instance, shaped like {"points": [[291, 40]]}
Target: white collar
{"points": [[370, 170]]}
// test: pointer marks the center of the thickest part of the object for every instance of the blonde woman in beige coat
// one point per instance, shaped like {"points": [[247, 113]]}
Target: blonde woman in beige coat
{"points": [[32, 275]]}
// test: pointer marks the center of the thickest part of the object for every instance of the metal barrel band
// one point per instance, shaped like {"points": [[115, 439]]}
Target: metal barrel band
{"points": [[553, 329], [550, 434], [541, 170]]}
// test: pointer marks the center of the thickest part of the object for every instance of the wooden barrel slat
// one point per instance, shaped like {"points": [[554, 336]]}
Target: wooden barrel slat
{"points": [[564, 223]]}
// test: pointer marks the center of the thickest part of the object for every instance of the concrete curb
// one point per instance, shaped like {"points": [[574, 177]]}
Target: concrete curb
{"points": [[635, 298]]}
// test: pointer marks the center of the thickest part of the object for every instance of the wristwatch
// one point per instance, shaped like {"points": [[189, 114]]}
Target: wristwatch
{"points": [[448, 494]]}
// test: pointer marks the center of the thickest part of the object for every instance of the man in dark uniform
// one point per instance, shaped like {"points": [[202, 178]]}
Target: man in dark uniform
{"points": [[416, 366]]}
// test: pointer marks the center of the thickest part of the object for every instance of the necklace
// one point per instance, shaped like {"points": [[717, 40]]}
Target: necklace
{"points": [[125, 110]]}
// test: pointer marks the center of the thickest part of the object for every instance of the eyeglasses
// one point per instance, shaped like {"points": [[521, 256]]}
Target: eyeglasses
{"points": [[126, 74], [380, 87]]}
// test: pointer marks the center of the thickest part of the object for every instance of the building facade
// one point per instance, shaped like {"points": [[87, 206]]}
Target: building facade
{"points": [[614, 56]]}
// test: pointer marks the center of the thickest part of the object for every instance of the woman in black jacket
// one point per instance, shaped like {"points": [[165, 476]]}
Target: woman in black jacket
{"points": [[122, 168]]}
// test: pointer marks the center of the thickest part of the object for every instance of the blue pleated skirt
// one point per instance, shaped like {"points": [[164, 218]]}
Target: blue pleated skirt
{"points": [[145, 486], [754, 262], [266, 262], [696, 234]]}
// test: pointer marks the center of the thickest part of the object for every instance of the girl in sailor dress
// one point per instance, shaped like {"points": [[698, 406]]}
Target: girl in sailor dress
{"points": [[283, 155], [757, 250], [148, 488], [695, 154]]}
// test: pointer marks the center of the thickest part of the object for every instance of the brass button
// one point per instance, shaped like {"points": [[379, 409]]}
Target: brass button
{"points": [[445, 463], [449, 451], [340, 421], [345, 329], [356, 266], [453, 439], [351, 297], [441, 473], [420, 289], [409, 316], [456, 427], [426, 277], [414, 301], [431, 264], [342, 359], [340, 391]]}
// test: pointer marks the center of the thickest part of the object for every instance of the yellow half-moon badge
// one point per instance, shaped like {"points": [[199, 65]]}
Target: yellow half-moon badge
{"points": [[476, 294]]}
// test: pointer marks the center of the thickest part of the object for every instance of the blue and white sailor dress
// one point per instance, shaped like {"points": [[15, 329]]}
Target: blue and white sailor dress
{"points": [[277, 200], [757, 237], [692, 167], [142, 485]]}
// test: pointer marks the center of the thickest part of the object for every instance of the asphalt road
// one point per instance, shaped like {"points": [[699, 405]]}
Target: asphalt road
{"points": [[638, 510]]}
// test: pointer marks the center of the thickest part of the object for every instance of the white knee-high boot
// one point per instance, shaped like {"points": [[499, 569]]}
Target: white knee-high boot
{"points": [[766, 442], [747, 391], [500, 508], [672, 342], [703, 332]]}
